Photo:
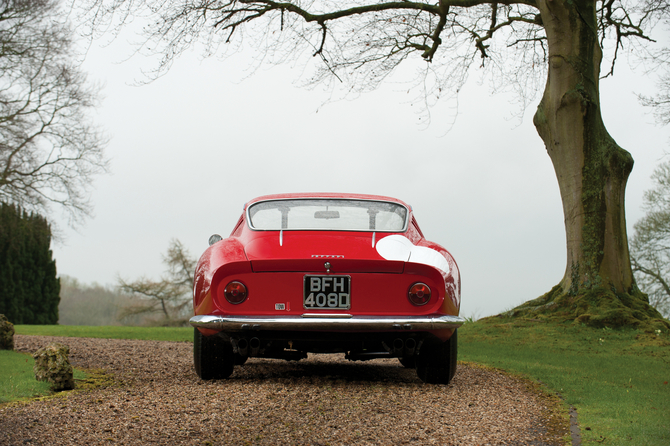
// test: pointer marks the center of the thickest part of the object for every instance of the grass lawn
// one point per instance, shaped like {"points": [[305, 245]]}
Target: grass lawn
{"points": [[177, 334], [616, 379], [17, 379]]}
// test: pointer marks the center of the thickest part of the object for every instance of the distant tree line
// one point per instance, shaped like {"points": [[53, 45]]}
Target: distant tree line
{"points": [[94, 304], [29, 288], [144, 301]]}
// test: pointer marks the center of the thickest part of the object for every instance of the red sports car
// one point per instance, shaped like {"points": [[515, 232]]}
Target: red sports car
{"points": [[326, 273]]}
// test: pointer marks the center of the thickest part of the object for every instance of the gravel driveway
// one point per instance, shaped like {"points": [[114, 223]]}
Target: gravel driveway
{"points": [[323, 400]]}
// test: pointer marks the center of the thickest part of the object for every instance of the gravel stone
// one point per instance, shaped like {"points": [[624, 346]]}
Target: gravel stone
{"points": [[157, 399]]}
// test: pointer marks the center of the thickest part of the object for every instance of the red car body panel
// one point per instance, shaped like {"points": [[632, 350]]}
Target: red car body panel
{"points": [[272, 264]]}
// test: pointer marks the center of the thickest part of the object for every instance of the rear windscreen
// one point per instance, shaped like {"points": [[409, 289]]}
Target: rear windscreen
{"points": [[328, 214]]}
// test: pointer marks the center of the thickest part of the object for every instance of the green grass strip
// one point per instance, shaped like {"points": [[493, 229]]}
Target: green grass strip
{"points": [[616, 379], [17, 380], [176, 334]]}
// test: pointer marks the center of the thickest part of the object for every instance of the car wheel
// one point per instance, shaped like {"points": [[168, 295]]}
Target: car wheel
{"points": [[212, 356], [436, 363], [408, 362]]}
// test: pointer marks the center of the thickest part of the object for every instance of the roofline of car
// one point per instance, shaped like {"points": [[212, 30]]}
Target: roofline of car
{"points": [[326, 195]]}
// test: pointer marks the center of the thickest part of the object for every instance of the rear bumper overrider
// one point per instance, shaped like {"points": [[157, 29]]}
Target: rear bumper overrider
{"points": [[327, 322]]}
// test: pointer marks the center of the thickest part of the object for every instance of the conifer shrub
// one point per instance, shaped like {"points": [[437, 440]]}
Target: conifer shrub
{"points": [[29, 288]]}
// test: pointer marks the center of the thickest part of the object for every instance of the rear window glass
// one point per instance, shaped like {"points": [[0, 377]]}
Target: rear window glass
{"points": [[328, 214]]}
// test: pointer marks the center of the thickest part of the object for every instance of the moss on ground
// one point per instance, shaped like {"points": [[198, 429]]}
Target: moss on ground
{"points": [[597, 307]]}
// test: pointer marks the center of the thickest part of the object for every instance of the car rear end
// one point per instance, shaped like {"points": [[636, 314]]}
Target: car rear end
{"points": [[329, 291]]}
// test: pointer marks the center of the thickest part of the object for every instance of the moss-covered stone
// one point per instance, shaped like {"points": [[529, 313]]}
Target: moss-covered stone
{"points": [[52, 365], [597, 307], [6, 334]]}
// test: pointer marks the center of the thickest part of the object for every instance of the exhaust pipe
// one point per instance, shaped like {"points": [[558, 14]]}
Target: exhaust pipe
{"points": [[410, 345], [242, 346], [254, 346], [398, 345]]}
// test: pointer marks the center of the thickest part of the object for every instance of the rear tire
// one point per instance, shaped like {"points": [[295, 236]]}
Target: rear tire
{"points": [[436, 363], [212, 356]]}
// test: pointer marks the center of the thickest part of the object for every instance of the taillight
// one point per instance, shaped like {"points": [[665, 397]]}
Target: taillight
{"points": [[235, 292], [419, 294]]}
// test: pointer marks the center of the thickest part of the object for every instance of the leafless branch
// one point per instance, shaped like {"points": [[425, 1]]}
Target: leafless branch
{"points": [[168, 296], [49, 150], [359, 42]]}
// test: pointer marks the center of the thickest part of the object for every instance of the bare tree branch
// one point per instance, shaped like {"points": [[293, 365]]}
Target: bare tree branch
{"points": [[650, 244], [49, 150], [169, 296]]}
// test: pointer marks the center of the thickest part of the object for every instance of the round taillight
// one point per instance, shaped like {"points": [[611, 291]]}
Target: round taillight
{"points": [[235, 292], [419, 294]]}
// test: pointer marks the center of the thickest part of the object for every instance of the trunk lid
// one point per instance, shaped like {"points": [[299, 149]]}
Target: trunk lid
{"points": [[291, 251]]}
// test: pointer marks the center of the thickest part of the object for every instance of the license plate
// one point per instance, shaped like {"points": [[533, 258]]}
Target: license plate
{"points": [[327, 292]]}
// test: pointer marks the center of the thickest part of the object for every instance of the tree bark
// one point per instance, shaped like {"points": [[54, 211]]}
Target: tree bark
{"points": [[592, 170]]}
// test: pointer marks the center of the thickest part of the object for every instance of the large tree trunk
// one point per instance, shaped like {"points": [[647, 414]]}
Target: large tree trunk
{"points": [[592, 171]]}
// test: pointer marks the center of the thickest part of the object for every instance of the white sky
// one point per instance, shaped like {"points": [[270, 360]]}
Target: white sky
{"points": [[189, 149]]}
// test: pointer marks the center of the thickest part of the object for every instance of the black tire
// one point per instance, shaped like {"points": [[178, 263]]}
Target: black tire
{"points": [[212, 356], [408, 362], [436, 363]]}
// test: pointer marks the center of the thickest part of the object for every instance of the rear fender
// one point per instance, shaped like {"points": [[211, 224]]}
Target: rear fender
{"points": [[437, 277], [452, 278], [224, 253]]}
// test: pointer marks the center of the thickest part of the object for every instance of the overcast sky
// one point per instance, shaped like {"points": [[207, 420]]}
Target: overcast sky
{"points": [[189, 149]]}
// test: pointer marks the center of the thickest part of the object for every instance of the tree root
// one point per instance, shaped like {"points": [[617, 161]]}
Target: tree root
{"points": [[597, 307]]}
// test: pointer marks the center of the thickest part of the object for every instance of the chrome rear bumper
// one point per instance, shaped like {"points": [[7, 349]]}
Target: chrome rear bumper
{"points": [[327, 322]]}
